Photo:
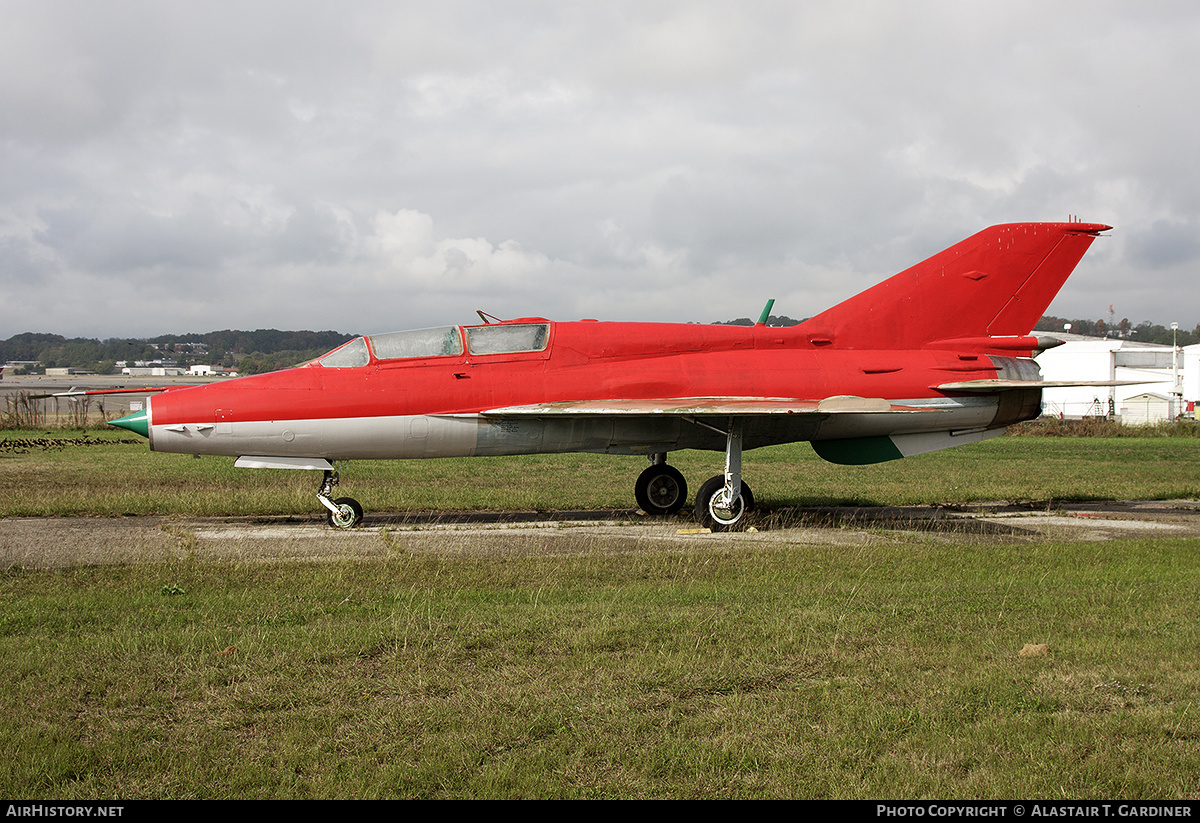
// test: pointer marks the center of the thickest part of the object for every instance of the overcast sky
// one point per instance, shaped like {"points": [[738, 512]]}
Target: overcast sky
{"points": [[371, 166]]}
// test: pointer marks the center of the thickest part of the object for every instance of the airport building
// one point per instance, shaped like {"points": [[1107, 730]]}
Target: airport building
{"points": [[67, 372], [14, 365], [152, 371], [1164, 381]]}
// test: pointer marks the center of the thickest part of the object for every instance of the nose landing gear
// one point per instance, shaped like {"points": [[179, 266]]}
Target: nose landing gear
{"points": [[343, 513]]}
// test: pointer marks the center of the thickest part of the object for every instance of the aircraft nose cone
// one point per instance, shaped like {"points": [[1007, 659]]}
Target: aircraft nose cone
{"points": [[135, 422]]}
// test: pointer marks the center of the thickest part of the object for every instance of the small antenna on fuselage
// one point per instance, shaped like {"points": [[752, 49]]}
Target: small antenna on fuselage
{"points": [[766, 313]]}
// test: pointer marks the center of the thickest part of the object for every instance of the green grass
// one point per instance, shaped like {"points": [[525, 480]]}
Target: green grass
{"points": [[887, 670], [887, 666], [125, 477]]}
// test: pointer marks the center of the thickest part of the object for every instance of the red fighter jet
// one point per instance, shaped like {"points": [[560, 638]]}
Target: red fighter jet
{"points": [[936, 356]]}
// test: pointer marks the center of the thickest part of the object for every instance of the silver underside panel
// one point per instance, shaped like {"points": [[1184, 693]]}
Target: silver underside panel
{"points": [[427, 436]]}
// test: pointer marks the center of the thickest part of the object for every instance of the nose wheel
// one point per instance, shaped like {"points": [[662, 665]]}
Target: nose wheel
{"points": [[343, 513], [346, 514]]}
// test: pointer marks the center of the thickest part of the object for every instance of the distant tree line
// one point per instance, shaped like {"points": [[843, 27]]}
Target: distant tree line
{"points": [[773, 320], [1144, 332], [249, 352], [262, 350]]}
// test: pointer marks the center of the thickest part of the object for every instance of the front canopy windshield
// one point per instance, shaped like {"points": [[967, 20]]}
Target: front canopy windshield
{"points": [[444, 341], [349, 356]]}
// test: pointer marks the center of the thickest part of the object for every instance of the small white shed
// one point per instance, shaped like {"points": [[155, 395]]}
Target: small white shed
{"points": [[1145, 409]]}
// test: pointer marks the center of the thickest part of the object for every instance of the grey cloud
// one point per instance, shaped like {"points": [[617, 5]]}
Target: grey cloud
{"points": [[1165, 244], [611, 159]]}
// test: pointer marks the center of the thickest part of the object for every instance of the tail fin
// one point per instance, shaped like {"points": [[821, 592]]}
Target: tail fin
{"points": [[996, 283]]}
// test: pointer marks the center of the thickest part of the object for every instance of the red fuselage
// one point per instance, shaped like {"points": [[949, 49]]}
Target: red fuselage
{"points": [[314, 410]]}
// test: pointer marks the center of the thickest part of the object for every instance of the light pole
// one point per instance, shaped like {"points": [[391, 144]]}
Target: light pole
{"points": [[1176, 394]]}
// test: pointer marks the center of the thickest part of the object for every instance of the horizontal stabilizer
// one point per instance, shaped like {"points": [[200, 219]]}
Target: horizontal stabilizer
{"points": [[693, 406], [988, 386]]}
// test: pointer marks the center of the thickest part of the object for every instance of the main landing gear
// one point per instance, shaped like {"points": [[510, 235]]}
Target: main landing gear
{"points": [[345, 512], [660, 489], [718, 508], [722, 502]]}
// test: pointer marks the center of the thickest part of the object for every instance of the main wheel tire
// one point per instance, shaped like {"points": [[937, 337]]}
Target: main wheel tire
{"points": [[716, 517], [349, 513], [660, 489]]}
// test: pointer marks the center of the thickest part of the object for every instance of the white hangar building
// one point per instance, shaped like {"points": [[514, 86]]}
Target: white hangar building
{"points": [[1171, 376]]}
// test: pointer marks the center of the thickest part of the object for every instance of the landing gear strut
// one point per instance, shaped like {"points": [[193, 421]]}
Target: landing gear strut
{"points": [[660, 489], [724, 500], [345, 512]]}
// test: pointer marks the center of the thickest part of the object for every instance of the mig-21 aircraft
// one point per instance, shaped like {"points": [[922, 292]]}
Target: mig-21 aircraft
{"points": [[939, 355]]}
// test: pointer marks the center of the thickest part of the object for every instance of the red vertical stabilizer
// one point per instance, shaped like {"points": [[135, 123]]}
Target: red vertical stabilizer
{"points": [[996, 283]]}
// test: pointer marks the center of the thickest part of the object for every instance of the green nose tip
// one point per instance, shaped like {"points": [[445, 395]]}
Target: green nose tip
{"points": [[135, 422]]}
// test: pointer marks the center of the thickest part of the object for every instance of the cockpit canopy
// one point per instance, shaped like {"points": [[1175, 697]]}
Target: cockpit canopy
{"points": [[442, 341]]}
